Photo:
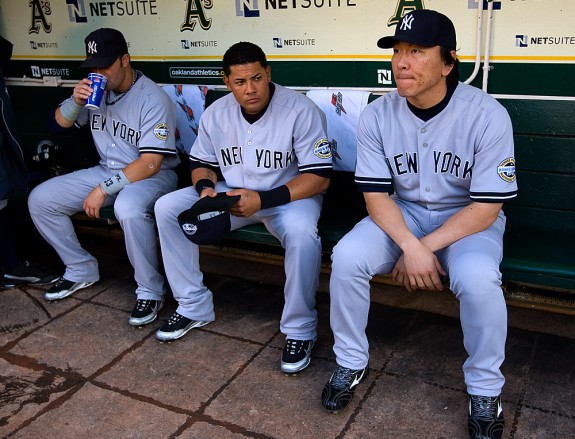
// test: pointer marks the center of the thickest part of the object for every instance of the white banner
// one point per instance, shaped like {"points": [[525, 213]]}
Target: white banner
{"points": [[201, 30]]}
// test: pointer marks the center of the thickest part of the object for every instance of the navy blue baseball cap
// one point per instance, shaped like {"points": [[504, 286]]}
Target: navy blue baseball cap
{"points": [[208, 220], [423, 27], [103, 47]]}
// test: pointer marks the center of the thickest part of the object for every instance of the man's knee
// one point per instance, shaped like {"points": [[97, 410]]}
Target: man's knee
{"points": [[161, 208], [474, 272], [348, 256], [169, 206], [126, 210], [37, 199]]}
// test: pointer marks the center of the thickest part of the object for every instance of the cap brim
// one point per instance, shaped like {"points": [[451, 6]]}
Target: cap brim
{"points": [[386, 42], [389, 42], [221, 202], [98, 63]]}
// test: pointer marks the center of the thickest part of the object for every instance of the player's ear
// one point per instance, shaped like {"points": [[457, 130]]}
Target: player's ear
{"points": [[447, 65], [447, 68], [227, 82], [269, 73], [125, 60]]}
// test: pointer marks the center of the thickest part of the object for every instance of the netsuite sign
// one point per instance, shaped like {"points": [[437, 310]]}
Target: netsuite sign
{"points": [[79, 10]]}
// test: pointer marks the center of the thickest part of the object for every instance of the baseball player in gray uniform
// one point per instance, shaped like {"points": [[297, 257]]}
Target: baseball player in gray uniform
{"points": [[435, 162], [133, 133], [270, 145]]}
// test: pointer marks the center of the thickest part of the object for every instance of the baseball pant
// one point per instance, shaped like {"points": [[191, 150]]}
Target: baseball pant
{"points": [[9, 258], [473, 267], [53, 202], [293, 224]]}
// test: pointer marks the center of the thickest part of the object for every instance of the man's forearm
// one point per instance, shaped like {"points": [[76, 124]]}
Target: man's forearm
{"points": [[471, 219]]}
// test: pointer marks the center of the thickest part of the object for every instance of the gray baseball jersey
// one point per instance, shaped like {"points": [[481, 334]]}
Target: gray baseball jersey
{"points": [[142, 120], [435, 168], [464, 154], [288, 139], [129, 124]]}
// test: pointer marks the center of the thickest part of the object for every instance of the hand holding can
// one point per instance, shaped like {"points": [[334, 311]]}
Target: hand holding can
{"points": [[99, 86]]}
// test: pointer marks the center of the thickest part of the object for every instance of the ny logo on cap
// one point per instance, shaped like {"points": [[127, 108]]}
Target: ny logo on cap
{"points": [[406, 22], [92, 47]]}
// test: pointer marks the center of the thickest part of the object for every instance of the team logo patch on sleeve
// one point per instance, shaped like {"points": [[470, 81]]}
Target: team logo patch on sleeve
{"points": [[161, 131], [189, 229], [506, 170], [322, 149]]}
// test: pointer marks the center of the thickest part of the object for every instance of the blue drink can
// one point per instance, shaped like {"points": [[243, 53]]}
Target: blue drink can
{"points": [[99, 86]]}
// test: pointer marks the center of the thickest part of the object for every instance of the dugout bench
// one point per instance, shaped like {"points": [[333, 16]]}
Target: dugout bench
{"points": [[539, 244]]}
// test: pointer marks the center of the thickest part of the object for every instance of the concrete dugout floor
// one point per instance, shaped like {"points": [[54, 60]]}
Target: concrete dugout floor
{"points": [[76, 369]]}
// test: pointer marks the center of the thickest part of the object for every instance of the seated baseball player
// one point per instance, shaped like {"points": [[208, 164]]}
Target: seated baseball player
{"points": [[133, 132], [435, 162], [269, 144]]}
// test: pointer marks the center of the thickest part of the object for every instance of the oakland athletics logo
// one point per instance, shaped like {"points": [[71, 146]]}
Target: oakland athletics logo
{"points": [[403, 7], [196, 12], [40, 8]]}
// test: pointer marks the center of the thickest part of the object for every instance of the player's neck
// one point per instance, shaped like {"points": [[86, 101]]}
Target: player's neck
{"points": [[429, 98], [431, 112], [120, 92], [128, 82]]}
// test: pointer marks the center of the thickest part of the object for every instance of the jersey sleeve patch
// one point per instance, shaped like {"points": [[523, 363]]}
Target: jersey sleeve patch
{"points": [[506, 170], [322, 149], [161, 131]]}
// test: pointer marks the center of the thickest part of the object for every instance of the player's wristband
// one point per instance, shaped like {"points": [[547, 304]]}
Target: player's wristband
{"points": [[204, 183], [115, 184], [70, 109], [275, 197]]}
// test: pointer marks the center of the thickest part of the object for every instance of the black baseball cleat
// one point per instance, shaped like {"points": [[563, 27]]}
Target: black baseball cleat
{"points": [[64, 288], [296, 355], [485, 420], [27, 274], [145, 311], [338, 391], [177, 326]]}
